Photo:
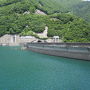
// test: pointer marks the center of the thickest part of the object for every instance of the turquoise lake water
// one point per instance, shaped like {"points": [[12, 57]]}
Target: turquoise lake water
{"points": [[26, 70]]}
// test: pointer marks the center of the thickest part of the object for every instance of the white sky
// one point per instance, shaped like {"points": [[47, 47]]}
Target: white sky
{"points": [[86, 0]]}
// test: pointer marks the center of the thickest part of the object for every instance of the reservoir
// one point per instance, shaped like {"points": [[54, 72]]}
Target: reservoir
{"points": [[26, 70]]}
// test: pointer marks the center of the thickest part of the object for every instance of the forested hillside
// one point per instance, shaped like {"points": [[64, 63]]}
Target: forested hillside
{"points": [[79, 7], [55, 6], [16, 6], [82, 10], [18, 17]]}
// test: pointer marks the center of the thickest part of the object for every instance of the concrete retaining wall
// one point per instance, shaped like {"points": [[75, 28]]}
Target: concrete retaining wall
{"points": [[83, 54]]}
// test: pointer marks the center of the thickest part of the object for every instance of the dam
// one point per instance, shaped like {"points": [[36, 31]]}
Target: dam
{"points": [[27, 70], [68, 50]]}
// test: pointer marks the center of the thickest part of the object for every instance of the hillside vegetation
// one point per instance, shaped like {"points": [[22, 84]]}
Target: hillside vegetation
{"points": [[56, 6], [15, 20], [78, 7], [83, 10]]}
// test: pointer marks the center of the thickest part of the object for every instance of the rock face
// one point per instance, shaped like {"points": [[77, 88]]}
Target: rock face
{"points": [[27, 12], [44, 33], [39, 12], [54, 19]]}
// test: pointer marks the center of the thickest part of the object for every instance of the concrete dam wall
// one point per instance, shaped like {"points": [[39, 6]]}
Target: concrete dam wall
{"points": [[69, 50]]}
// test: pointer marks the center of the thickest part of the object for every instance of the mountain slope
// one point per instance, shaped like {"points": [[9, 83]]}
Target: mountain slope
{"points": [[16, 6], [52, 6], [19, 17], [79, 7], [82, 10]]}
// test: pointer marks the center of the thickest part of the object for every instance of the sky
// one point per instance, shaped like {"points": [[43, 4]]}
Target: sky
{"points": [[86, 0]]}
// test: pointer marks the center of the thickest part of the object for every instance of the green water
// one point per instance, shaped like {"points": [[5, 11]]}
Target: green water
{"points": [[26, 70]]}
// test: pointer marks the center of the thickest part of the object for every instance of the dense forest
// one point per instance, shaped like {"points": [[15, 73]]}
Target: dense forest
{"points": [[82, 10], [18, 17], [78, 7], [56, 6]]}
